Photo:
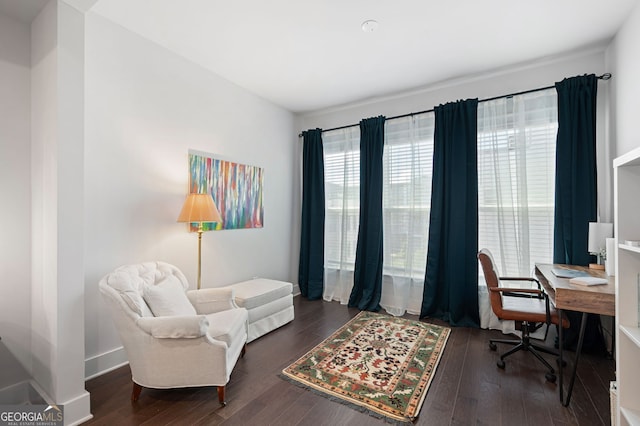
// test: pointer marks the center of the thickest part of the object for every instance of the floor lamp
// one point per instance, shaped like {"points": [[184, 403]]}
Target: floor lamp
{"points": [[199, 208]]}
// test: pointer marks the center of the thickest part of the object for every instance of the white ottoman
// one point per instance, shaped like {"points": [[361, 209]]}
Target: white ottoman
{"points": [[268, 302]]}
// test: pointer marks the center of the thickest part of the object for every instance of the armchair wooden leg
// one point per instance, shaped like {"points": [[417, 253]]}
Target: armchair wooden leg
{"points": [[221, 395], [135, 393]]}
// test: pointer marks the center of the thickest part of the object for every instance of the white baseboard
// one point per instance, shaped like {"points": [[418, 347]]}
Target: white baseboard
{"points": [[296, 289], [105, 362], [77, 410]]}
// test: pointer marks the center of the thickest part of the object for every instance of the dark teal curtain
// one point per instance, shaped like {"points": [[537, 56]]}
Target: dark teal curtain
{"points": [[367, 277], [576, 186], [451, 278], [311, 268]]}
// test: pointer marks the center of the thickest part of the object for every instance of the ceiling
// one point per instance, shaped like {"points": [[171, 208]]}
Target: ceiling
{"points": [[306, 55]]}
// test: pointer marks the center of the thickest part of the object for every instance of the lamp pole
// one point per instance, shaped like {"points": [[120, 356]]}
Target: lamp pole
{"points": [[199, 253]]}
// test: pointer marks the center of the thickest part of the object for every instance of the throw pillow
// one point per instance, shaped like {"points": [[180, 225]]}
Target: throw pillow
{"points": [[167, 298]]}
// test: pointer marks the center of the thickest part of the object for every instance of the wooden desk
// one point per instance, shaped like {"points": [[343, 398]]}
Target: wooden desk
{"points": [[598, 299]]}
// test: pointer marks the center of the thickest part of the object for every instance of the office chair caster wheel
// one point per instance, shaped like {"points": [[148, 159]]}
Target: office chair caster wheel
{"points": [[500, 364], [492, 346], [550, 377]]}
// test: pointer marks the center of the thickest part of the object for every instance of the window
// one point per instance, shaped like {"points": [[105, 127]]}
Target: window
{"points": [[407, 164], [342, 195], [342, 208], [406, 194], [516, 179], [516, 175]]}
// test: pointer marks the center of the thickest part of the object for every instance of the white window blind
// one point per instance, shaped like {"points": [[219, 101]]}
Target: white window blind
{"points": [[516, 179], [342, 195], [342, 208], [406, 201], [406, 194]]}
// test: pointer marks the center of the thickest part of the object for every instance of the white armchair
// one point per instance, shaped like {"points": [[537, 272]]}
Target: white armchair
{"points": [[174, 338]]}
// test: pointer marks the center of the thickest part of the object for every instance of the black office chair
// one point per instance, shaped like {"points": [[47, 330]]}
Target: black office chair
{"points": [[528, 307]]}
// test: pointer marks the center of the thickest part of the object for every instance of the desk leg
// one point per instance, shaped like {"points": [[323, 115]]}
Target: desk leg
{"points": [[583, 324], [560, 362]]}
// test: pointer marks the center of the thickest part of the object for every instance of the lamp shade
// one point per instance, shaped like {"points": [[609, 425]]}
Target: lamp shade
{"points": [[598, 234], [199, 208]]}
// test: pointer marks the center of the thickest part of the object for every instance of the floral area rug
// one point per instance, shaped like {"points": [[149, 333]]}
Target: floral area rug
{"points": [[379, 363]]}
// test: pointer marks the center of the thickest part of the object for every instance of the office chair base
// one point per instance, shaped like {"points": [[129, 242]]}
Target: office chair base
{"points": [[527, 345], [494, 347]]}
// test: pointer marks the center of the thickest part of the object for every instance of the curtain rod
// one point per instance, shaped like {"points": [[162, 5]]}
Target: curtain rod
{"points": [[605, 76]]}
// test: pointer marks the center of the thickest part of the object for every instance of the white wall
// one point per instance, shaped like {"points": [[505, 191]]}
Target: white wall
{"points": [[15, 189], [145, 108], [501, 82], [624, 61]]}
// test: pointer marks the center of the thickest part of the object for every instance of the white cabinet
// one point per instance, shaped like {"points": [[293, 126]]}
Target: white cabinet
{"points": [[627, 228]]}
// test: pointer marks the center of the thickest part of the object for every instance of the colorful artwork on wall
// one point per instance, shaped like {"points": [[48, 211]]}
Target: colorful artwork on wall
{"points": [[236, 189]]}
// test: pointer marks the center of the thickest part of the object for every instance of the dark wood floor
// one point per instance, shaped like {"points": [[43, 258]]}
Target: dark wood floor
{"points": [[467, 387]]}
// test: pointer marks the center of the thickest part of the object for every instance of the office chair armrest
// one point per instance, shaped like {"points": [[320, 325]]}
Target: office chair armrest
{"points": [[526, 292], [518, 279], [517, 290], [530, 279]]}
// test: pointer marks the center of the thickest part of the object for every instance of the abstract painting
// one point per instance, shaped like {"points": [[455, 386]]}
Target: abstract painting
{"points": [[236, 190]]}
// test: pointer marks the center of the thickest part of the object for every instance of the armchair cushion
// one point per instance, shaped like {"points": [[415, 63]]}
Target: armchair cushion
{"points": [[167, 298], [210, 300], [175, 327], [226, 325]]}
